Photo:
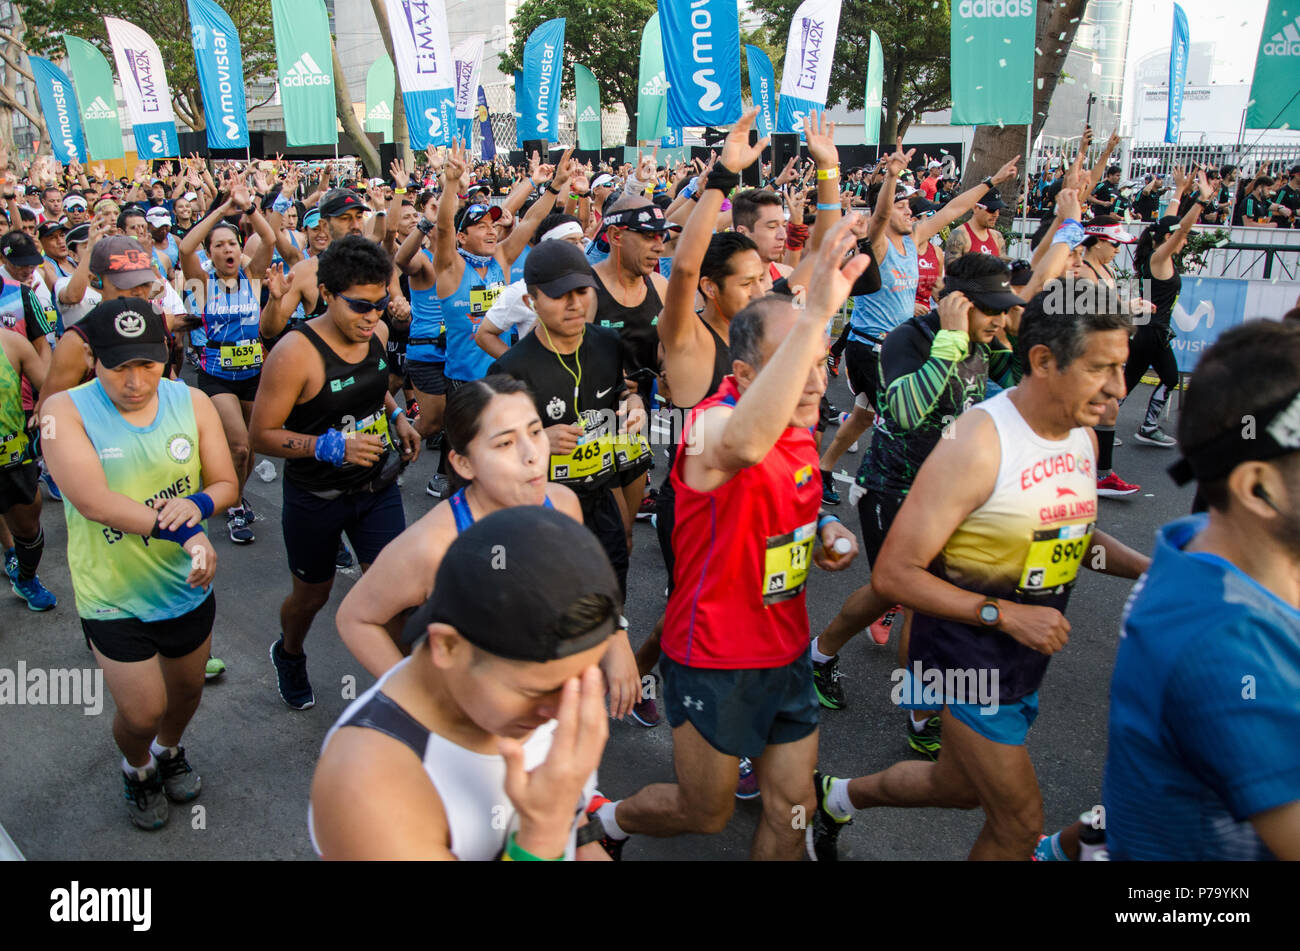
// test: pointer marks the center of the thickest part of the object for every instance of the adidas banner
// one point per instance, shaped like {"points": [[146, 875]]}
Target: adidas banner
{"points": [[380, 89], [1177, 74], [305, 71], [96, 97], [652, 85], [992, 50], [875, 92], [586, 107], [806, 75], [468, 57], [221, 75], [59, 105], [487, 141], [1277, 69], [543, 70], [144, 85], [426, 70], [701, 53], [762, 89]]}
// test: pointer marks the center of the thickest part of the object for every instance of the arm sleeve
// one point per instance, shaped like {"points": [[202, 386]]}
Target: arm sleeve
{"points": [[34, 315], [1004, 368], [914, 377]]}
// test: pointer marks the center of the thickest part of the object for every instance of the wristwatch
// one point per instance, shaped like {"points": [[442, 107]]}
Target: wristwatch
{"points": [[424, 225], [989, 182], [989, 613], [553, 191]]}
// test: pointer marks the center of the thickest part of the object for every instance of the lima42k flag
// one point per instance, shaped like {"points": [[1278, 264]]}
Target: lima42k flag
{"points": [[426, 70], [806, 75], [144, 84]]}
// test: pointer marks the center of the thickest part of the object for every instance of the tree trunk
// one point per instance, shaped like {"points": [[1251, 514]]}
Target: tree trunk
{"points": [[343, 105], [401, 137], [11, 53], [630, 109], [993, 147]]}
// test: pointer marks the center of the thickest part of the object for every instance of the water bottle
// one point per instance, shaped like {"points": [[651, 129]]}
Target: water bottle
{"points": [[265, 470]]}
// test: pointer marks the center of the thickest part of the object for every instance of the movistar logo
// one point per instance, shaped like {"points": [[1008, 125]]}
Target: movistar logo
{"points": [[1187, 323], [1286, 42], [588, 115], [305, 72], [702, 55], [656, 85], [380, 112], [546, 80], [99, 109], [988, 9]]}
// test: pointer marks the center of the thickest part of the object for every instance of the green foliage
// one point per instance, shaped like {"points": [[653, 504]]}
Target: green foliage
{"points": [[1191, 259]]}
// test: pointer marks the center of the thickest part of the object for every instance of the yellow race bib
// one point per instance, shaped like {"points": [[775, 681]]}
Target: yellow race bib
{"points": [[588, 459], [1054, 557], [13, 447], [376, 424], [628, 449], [242, 355], [481, 299], [786, 561]]}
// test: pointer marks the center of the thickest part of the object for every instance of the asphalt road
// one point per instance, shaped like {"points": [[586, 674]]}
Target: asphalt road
{"points": [[60, 792]]}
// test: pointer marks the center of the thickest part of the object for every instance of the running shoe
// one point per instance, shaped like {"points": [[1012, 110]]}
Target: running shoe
{"points": [[747, 784], [831, 410], [1113, 485], [1118, 441], [413, 410], [647, 509], [237, 526], [1048, 850], [343, 558], [433, 443], [146, 802], [928, 741], [214, 669], [11, 564], [248, 510], [854, 447], [50, 486], [437, 487], [37, 596], [179, 780], [291, 678], [820, 841], [829, 495], [1155, 437], [882, 626], [613, 847], [826, 681], [833, 364], [646, 710]]}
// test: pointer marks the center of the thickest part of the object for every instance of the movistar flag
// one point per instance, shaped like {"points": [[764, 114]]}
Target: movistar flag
{"points": [[426, 68], [586, 107], [1177, 74], [672, 139], [806, 75], [1277, 69], [96, 97], [652, 85], [875, 92], [992, 62], [701, 41], [381, 86], [221, 75], [59, 104], [144, 85], [305, 71], [762, 89], [543, 70], [487, 141]]}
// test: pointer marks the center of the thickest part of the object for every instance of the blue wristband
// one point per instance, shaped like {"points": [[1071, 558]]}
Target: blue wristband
{"points": [[331, 448], [1070, 233], [827, 206], [392, 419], [177, 535], [282, 203], [824, 521], [204, 502]]}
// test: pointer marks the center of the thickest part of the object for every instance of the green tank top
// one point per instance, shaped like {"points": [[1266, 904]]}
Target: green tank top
{"points": [[14, 443]]}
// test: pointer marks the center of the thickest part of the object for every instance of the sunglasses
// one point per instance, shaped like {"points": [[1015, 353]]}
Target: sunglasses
{"points": [[362, 306]]}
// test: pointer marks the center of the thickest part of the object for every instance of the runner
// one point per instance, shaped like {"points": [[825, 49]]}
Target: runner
{"points": [[20, 494], [987, 562], [143, 463], [737, 680], [341, 212], [54, 247], [500, 702], [1202, 763], [760, 216], [324, 406], [979, 235]]}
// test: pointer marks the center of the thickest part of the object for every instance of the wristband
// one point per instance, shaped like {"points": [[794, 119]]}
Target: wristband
{"points": [[424, 226], [178, 535], [392, 420], [281, 203], [399, 191], [515, 853], [331, 448], [1070, 233], [828, 206], [826, 174], [824, 521], [204, 502], [553, 191], [722, 179]]}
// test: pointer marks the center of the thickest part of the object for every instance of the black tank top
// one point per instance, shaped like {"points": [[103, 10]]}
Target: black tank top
{"points": [[721, 368], [399, 332], [635, 326], [1163, 295], [351, 399]]}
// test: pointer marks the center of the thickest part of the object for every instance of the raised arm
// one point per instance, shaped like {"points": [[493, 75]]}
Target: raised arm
{"points": [[1162, 260], [194, 238], [556, 181], [444, 244], [877, 230], [820, 134], [927, 228]]}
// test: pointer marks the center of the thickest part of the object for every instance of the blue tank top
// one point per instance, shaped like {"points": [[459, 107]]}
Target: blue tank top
{"points": [[233, 348], [464, 518], [462, 312], [426, 323], [875, 315], [517, 269]]}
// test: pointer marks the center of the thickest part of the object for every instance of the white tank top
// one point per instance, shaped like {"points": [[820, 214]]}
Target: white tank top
{"points": [[480, 816]]}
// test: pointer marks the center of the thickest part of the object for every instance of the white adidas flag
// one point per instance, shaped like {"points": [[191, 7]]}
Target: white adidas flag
{"points": [[468, 56]]}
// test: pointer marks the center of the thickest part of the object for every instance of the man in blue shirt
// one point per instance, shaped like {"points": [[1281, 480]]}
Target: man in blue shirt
{"points": [[1204, 751]]}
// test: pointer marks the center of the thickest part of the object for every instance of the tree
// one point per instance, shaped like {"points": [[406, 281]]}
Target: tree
{"points": [[401, 136], [168, 22], [12, 51], [368, 154], [603, 35], [914, 37]]}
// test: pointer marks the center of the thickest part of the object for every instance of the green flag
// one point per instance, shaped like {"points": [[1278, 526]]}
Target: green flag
{"points": [[992, 56], [380, 86], [305, 71], [93, 81], [587, 107], [1271, 106], [875, 92], [652, 85]]}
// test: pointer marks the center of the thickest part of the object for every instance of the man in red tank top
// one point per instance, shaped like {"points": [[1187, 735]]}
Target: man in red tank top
{"points": [[736, 670], [979, 235]]}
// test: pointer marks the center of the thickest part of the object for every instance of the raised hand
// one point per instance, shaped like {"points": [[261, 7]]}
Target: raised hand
{"points": [[456, 165], [1067, 204], [820, 133], [1006, 173], [737, 153], [397, 170], [897, 163], [563, 170]]}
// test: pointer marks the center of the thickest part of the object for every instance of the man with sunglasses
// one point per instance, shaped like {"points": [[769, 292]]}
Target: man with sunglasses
{"points": [[323, 404]]}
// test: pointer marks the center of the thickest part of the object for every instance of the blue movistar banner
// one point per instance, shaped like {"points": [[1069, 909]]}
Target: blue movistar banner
{"points": [[1178, 48], [62, 117], [543, 70], [221, 75], [701, 40], [762, 88]]}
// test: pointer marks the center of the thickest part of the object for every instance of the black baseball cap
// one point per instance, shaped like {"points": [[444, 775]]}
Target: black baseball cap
{"points": [[340, 201], [557, 267], [20, 250], [474, 212], [508, 580], [647, 219], [48, 228], [79, 235], [921, 205], [991, 293], [125, 329], [992, 201]]}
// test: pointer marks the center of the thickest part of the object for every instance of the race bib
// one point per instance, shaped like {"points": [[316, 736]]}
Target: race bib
{"points": [[376, 424], [481, 299], [242, 355], [13, 448], [1054, 557], [590, 458], [628, 449], [786, 561]]}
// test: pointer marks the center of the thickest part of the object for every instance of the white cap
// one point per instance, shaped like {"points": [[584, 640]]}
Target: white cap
{"points": [[935, 164]]}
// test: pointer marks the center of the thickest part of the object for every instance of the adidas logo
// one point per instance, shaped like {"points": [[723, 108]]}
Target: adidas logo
{"points": [[589, 115], [99, 109], [1286, 42], [656, 86], [380, 112], [988, 9], [305, 72]]}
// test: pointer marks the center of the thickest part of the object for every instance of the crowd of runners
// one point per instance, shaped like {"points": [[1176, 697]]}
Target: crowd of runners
{"points": [[538, 329]]}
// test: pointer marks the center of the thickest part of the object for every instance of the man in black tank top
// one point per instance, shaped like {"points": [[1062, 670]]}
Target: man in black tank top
{"points": [[324, 406]]}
